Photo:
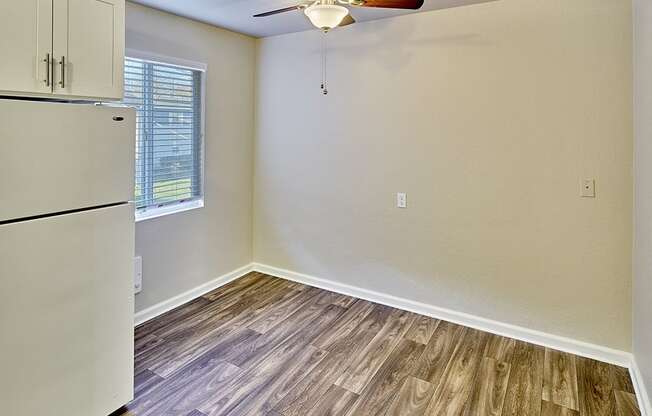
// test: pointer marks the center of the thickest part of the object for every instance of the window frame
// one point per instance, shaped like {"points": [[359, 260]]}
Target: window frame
{"points": [[157, 212]]}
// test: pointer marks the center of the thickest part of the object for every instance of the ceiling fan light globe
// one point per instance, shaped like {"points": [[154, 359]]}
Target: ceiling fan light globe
{"points": [[326, 16]]}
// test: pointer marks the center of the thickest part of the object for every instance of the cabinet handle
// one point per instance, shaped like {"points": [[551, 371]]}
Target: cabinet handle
{"points": [[47, 69], [62, 83]]}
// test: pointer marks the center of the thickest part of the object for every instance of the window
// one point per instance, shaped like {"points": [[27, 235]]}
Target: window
{"points": [[168, 102]]}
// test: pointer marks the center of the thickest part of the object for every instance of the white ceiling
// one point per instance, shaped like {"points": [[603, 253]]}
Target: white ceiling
{"points": [[237, 15]]}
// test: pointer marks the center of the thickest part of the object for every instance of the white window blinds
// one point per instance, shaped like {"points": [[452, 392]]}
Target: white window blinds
{"points": [[169, 132]]}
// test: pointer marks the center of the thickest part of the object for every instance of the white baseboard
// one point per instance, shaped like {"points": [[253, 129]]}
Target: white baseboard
{"points": [[169, 304], [641, 392], [557, 342]]}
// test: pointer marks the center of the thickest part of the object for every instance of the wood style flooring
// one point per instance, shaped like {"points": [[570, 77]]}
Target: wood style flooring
{"points": [[269, 347]]}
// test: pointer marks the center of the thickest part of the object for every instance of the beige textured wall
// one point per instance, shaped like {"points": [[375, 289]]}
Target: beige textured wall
{"points": [[184, 250], [642, 328], [488, 117]]}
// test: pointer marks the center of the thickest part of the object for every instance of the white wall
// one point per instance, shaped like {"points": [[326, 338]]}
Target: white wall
{"points": [[642, 328], [488, 117], [184, 250]]}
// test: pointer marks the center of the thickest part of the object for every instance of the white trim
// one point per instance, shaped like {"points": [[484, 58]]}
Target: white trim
{"points": [[644, 403], [165, 59], [557, 342], [176, 301], [151, 213]]}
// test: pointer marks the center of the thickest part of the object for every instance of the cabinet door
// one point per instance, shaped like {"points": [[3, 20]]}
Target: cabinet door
{"points": [[88, 45], [25, 45]]}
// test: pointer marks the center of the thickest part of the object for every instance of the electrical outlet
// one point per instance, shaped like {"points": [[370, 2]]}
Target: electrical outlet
{"points": [[588, 188], [401, 200], [138, 274]]}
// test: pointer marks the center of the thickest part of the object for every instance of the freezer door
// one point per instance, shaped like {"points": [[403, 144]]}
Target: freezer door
{"points": [[56, 157], [66, 314]]}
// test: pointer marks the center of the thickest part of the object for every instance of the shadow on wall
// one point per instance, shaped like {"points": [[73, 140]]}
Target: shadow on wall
{"points": [[394, 51]]}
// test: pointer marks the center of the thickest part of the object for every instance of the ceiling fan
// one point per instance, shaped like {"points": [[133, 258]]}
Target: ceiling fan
{"points": [[329, 14]]}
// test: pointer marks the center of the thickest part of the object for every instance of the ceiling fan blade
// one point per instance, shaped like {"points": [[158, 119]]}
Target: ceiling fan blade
{"points": [[392, 4], [348, 20], [286, 9]]}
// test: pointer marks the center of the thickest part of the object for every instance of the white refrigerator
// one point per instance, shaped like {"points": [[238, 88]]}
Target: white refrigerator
{"points": [[66, 258]]}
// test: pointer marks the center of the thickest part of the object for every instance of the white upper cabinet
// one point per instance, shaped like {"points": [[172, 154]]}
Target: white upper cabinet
{"points": [[83, 41], [88, 44], [26, 46]]}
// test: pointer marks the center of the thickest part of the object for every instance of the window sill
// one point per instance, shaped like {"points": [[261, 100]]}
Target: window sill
{"points": [[152, 213]]}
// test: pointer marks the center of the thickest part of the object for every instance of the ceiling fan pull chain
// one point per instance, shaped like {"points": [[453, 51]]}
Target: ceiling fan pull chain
{"points": [[323, 65]]}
